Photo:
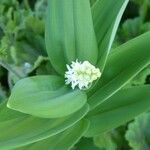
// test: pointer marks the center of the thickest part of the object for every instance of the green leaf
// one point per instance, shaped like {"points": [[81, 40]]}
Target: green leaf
{"points": [[105, 142], [86, 144], [140, 79], [18, 129], [124, 63], [69, 33], [112, 140], [106, 20], [45, 96], [131, 28], [61, 141], [118, 109], [92, 2], [138, 134]]}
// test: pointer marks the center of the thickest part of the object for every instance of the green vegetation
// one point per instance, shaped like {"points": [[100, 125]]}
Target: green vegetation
{"points": [[38, 38]]}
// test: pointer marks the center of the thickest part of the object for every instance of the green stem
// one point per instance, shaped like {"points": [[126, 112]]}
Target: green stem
{"points": [[10, 69]]}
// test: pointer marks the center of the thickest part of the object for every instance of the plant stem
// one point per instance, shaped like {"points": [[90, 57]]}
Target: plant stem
{"points": [[10, 69]]}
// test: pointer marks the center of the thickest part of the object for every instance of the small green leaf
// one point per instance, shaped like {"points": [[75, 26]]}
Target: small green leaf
{"points": [[105, 142], [140, 79], [86, 144], [18, 129], [118, 109], [45, 96], [69, 33], [124, 63], [61, 141], [106, 20], [131, 28], [92, 2], [112, 140], [138, 134]]}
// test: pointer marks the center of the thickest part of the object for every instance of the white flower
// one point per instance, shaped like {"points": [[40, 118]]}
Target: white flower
{"points": [[81, 74]]}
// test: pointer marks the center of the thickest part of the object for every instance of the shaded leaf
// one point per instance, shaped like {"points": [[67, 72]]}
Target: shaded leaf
{"points": [[130, 29], [112, 140], [86, 144], [140, 79], [138, 134], [105, 142]]}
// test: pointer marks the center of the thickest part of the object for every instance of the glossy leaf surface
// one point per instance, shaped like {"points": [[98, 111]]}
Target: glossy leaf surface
{"points": [[61, 141], [106, 20], [118, 109], [45, 96], [18, 129], [69, 33], [123, 64]]}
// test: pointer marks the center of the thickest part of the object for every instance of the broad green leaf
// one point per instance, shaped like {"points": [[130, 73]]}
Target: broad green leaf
{"points": [[69, 33], [45, 96], [7, 114], [138, 134], [106, 18], [123, 64], [61, 141], [18, 129], [118, 109]]}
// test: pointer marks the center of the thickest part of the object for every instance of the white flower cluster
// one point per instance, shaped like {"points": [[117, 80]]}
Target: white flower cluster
{"points": [[81, 74]]}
